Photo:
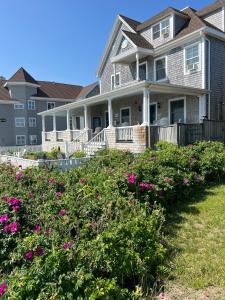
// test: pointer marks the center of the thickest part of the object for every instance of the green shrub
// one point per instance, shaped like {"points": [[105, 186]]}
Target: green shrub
{"points": [[79, 154]]}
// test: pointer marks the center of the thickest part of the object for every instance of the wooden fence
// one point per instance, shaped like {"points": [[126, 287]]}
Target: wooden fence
{"points": [[185, 134]]}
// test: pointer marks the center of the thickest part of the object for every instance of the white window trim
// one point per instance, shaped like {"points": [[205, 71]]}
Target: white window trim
{"points": [[20, 106], [24, 140], [49, 103], [160, 30], [144, 63], [200, 58], [30, 139], [185, 108], [31, 108], [156, 104], [116, 86], [16, 119], [155, 60], [29, 121], [123, 108]]}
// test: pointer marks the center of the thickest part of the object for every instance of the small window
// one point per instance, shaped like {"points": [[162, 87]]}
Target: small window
{"points": [[50, 105], [117, 83], [20, 140], [165, 27], [20, 122], [192, 58], [160, 69], [143, 71], [32, 122], [125, 116], [156, 31], [31, 104], [19, 106], [33, 140]]}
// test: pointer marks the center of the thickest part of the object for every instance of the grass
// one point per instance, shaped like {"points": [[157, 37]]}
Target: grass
{"points": [[197, 230]]}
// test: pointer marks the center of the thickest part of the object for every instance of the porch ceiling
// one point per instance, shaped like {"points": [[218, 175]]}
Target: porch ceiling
{"points": [[136, 87]]}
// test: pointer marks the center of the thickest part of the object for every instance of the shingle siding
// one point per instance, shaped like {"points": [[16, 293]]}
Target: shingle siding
{"points": [[216, 19]]}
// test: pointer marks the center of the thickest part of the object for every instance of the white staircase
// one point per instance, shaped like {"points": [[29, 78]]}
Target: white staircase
{"points": [[78, 142], [98, 142]]}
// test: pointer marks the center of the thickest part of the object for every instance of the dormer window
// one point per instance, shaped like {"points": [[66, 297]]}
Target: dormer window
{"points": [[161, 29]]}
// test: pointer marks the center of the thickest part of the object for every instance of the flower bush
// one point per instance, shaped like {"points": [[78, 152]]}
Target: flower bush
{"points": [[96, 232]]}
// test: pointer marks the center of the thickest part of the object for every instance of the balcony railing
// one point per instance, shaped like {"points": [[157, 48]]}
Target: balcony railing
{"points": [[125, 134]]}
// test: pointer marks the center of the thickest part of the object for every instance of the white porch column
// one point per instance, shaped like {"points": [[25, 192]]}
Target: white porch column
{"points": [[54, 122], [146, 100], [68, 119], [43, 123], [202, 107], [137, 67], [110, 113], [85, 117]]}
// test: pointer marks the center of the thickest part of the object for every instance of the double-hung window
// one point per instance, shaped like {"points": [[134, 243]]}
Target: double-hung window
{"points": [[50, 105], [19, 106], [160, 69], [31, 104], [192, 58], [115, 82], [20, 122], [32, 122], [161, 29], [156, 31], [20, 140], [33, 139], [143, 71]]}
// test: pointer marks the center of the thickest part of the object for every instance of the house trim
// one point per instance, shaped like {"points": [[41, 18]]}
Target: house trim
{"points": [[8, 83], [155, 60], [185, 107]]}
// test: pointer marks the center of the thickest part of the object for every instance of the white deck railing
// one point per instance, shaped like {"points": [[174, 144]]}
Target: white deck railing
{"points": [[125, 134], [75, 134], [98, 141]]}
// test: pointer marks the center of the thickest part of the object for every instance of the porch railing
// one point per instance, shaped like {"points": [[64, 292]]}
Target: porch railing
{"points": [[47, 136], [96, 143], [125, 134], [75, 134], [59, 136]]}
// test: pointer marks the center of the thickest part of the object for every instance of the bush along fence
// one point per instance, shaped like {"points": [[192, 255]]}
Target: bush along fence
{"points": [[62, 234]]}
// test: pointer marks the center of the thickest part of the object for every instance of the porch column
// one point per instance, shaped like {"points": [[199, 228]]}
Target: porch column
{"points": [[137, 67], [202, 107], [68, 119], [146, 100], [110, 113], [43, 123], [54, 122], [85, 117]]}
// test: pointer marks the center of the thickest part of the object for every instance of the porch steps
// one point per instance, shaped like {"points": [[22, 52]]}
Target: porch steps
{"points": [[98, 142]]}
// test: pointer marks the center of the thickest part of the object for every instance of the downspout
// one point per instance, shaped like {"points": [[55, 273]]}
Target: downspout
{"points": [[209, 75]]}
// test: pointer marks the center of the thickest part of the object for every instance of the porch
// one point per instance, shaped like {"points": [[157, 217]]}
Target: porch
{"points": [[130, 118]]}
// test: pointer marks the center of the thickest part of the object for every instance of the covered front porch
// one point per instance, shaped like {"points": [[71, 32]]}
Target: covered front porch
{"points": [[122, 118]]}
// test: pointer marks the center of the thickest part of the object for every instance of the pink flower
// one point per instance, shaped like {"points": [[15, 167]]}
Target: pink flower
{"points": [[49, 231], [62, 212], [29, 255], [131, 178], [4, 198], [168, 179], [58, 194], [39, 251], [16, 207], [162, 296], [67, 246], [51, 180], [37, 228], [186, 181], [82, 181], [199, 178], [31, 195], [146, 186], [14, 227], [14, 202], [4, 218], [3, 288], [19, 175], [6, 228]]}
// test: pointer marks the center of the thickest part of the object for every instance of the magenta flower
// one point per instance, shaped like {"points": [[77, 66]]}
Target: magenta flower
{"points": [[58, 194], [4, 198], [14, 227], [51, 180], [6, 228], [39, 251], [37, 228], [19, 175], [4, 218], [67, 246], [3, 288], [82, 181], [62, 212], [49, 231], [168, 179], [131, 178], [14, 202], [16, 207], [29, 255], [146, 186], [31, 195]]}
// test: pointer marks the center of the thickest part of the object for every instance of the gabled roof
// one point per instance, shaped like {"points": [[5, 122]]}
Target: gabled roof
{"points": [[87, 89], [138, 40], [132, 23], [168, 11], [211, 8], [22, 76]]}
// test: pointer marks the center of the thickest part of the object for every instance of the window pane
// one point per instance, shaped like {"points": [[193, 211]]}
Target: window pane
{"points": [[156, 31], [153, 116], [142, 72], [177, 111], [161, 69], [192, 58], [125, 116]]}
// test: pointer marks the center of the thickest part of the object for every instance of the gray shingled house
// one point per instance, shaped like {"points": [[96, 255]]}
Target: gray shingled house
{"points": [[153, 75]]}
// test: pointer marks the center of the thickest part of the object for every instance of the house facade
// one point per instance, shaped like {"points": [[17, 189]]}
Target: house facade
{"points": [[22, 98], [165, 71]]}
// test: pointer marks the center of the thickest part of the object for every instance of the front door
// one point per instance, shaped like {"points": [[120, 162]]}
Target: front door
{"points": [[153, 113], [96, 123]]}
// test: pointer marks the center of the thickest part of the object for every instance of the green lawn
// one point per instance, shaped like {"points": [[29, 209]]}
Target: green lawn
{"points": [[197, 230]]}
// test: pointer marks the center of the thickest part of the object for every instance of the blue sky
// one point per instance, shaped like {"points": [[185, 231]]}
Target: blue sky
{"points": [[63, 40]]}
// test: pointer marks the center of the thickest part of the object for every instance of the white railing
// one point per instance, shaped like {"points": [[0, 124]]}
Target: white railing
{"points": [[75, 134], [96, 143], [19, 150], [125, 134], [59, 135], [168, 134], [47, 136]]}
